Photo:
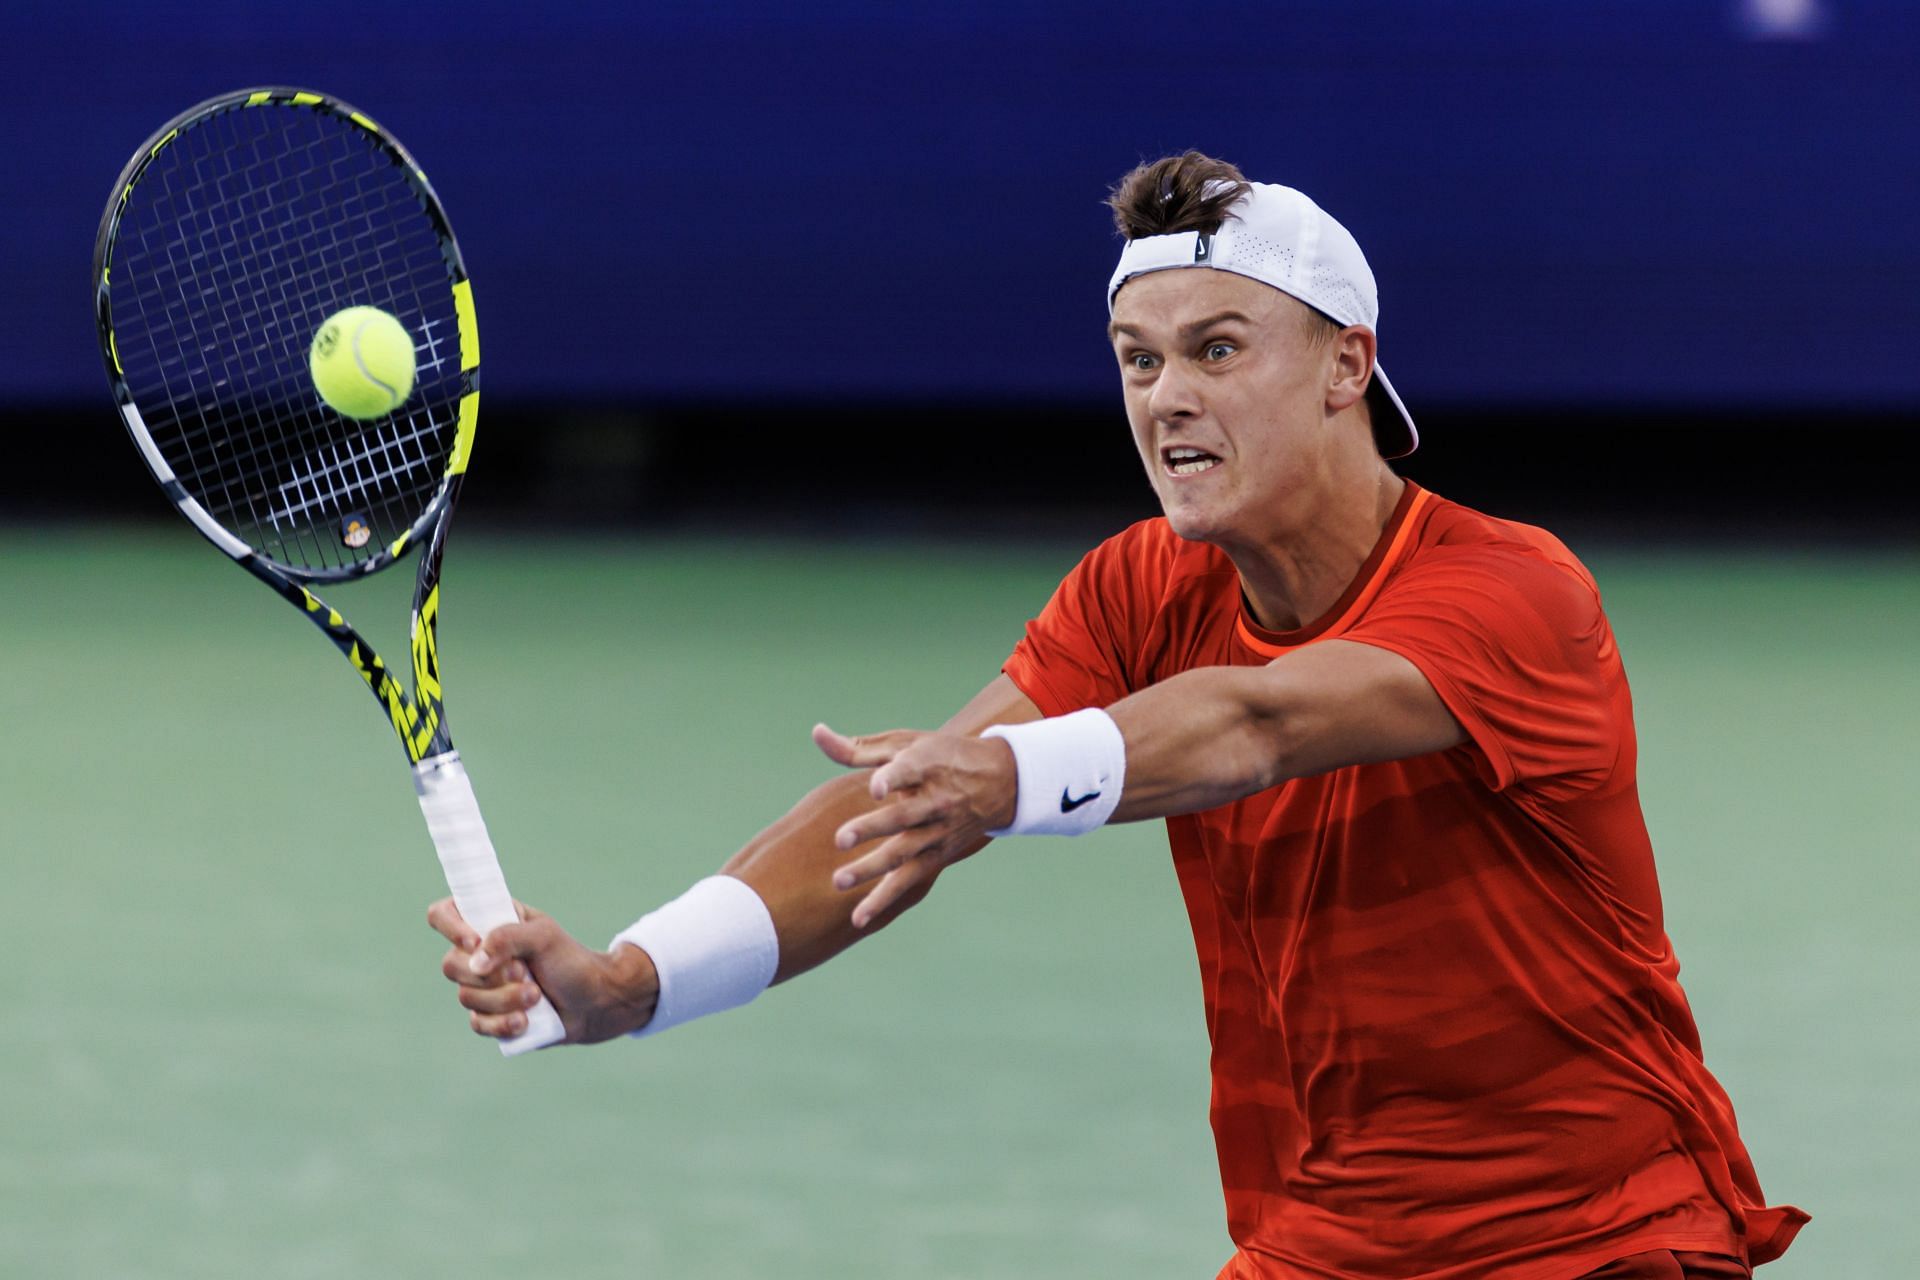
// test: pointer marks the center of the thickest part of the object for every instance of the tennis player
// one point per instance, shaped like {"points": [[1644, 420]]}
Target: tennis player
{"points": [[1393, 743]]}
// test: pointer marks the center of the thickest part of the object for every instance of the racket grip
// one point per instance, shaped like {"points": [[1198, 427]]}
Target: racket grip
{"points": [[473, 873]]}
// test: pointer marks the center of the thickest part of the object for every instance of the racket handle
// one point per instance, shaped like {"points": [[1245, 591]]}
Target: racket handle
{"points": [[473, 873]]}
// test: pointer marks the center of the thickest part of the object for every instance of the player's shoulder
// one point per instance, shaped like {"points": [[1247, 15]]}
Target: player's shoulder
{"points": [[1500, 566], [1150, 554], [1152, 537], [1458, 535]]}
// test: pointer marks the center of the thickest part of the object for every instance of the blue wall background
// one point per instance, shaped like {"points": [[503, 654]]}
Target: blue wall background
{"points": [[1601, 203]]}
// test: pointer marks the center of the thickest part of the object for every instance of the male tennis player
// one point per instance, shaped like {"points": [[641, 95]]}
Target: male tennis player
{"points": [[1393, 743]]}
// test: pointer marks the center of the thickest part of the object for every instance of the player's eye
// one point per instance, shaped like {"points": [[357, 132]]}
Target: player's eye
{"points": [[1141, 362], [1220, 350]]}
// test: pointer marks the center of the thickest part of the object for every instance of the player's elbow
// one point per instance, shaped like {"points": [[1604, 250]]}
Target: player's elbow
{"points": [[1285, 731], [1341, 704], [1262, 746], [1276, 748]]}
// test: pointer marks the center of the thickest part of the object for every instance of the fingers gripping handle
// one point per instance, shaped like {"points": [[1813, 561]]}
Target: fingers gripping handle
{"points": [[473, 873]]}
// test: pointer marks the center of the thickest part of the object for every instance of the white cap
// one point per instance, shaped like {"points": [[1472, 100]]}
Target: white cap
{"points": [[1277, 236]]}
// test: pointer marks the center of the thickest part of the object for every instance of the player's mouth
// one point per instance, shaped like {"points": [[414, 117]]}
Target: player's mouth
{"points": [[1184, 460]]}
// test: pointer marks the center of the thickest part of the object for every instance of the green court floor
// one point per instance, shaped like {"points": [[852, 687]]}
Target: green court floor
{"points": [[226, 1049]]}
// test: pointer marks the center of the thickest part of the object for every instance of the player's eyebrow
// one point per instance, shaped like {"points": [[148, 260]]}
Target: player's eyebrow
{"points": [[1115, 328]]}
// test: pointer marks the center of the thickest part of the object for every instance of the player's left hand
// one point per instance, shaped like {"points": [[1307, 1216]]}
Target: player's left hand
{"points": [[939, 794]]}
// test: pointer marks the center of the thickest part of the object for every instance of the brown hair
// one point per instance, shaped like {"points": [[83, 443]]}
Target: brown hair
{"points": [[1161, 197], [1168, 195]]}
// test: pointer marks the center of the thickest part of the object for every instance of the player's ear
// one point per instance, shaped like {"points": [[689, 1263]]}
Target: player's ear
{"points": [[1351, 367]]}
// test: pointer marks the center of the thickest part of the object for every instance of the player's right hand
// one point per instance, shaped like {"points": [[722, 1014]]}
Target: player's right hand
{"points": [[598, 994]]}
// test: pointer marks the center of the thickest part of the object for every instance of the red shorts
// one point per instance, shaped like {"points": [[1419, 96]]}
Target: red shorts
{"points": [[1663, 1264]]}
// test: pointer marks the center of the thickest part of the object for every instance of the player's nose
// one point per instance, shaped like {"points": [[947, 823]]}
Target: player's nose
{"points": [[1175, 394]]}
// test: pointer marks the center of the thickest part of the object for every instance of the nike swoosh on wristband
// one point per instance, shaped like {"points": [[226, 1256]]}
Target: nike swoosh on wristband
{"points": [[1068, 804]]}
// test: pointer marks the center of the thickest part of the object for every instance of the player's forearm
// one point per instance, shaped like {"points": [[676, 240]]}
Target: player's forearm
{"points": [[1206, 738], [791, 864], [772, 913], [1210, 736]]}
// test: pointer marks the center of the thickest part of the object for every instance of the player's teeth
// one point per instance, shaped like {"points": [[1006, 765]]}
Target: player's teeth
{"points": [[1197, 465]]}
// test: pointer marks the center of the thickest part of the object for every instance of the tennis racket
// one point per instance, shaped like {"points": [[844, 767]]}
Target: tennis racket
{"points": [[233, 233]]}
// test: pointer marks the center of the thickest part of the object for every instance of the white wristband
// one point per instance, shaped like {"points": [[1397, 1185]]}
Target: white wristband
{"points": [[713, 946], [1070, 769]]}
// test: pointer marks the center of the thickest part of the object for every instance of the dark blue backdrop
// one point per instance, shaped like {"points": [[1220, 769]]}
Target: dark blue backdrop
{"points": [[1631, 202]]}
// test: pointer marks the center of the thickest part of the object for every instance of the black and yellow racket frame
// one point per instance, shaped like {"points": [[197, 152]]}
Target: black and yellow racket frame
{"points": [[418, 718]]}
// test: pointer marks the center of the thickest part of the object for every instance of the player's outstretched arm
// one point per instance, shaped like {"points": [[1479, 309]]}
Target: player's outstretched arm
{"points": [[790, 868], [792, 863], [1200, 739], [1210, 736]]}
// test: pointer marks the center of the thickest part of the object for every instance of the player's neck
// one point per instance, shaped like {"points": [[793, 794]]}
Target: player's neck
{"points": [[1292, 580]]}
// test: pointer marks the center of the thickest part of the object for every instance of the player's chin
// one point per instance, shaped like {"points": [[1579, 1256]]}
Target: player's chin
{"points": [[1190, 520]]}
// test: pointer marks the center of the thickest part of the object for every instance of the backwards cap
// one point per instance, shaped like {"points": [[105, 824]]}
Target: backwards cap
{"points": [[1277, 236]]}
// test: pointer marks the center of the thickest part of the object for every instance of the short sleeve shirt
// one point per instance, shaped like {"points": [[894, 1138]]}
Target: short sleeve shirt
{"points": [[1448, 1034]]}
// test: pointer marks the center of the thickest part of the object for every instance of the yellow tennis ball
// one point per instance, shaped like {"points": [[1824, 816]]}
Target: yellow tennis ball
{"points": [[362, 362]]}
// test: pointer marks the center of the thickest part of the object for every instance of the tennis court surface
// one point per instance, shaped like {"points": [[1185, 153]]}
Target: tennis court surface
{"points": [[228, 1051]]}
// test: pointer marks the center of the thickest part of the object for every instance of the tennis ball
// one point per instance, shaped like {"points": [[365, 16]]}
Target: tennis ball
{"points": [[362, 362]]}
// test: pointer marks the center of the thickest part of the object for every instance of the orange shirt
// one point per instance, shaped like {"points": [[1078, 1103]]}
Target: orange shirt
{"points": [[1449, 1038]]}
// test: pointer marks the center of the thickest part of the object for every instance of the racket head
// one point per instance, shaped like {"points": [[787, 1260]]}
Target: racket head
{"points": [[229, 238]]}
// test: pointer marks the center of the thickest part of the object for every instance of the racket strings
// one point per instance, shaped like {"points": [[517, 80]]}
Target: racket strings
{"points": [[238, 320], [345, 469], [208, 260], [320, 486], [244, 234]]}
